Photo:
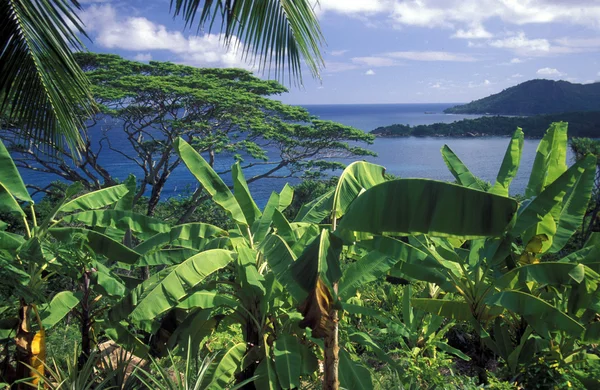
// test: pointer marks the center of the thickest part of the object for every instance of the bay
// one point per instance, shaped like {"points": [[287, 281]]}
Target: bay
{"points": [[404, 157]]}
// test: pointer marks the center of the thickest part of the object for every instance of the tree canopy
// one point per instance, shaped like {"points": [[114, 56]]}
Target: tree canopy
{"points": [[224, 113]]}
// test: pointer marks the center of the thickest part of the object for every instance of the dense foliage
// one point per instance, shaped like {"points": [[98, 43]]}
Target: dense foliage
{"points": [[536, 97], [581, 124], [261, 300]]}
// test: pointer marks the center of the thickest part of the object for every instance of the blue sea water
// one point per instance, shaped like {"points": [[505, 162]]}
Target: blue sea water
{"points": [[404, 157]]}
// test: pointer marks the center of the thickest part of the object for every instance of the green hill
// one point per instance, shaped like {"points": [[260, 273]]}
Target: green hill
{"points": [[535, 97]]}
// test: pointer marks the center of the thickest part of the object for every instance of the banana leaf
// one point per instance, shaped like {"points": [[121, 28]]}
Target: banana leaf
{"points": [[178, 283], [408, 206], [460, 172], [510, 164], [96, 199]]}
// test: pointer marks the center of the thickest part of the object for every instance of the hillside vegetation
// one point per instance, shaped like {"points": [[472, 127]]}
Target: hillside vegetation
{"points": [[581, 124], [535, 97]]}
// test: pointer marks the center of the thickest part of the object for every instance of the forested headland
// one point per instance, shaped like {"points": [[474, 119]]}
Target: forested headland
{"points": [[581, 124]]}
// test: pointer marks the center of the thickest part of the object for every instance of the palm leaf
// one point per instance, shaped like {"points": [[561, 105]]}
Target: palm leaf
{"points": [[276, 32], [42, 89]]}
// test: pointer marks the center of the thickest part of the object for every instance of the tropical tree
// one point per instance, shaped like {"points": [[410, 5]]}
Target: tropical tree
{"points": [[43, 91], [225, 113]]}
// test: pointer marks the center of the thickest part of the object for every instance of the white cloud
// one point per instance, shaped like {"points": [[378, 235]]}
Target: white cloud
{"points": [[484, 83], [521, 44], [431, 56], [374, 61], [336, 66], [144, 57], [516, 61], [338, 52], [550, 72], [467, 17], [516, 76], [353, 6], [370, 72], [141, 34], [580, 43], [475, 32]]}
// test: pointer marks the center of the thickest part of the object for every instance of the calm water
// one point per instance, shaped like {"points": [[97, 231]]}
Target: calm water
{"points": [[405, 157]]}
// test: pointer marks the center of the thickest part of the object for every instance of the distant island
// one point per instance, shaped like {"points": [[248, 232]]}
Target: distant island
{"points": [[535, 97], [581, 124]]}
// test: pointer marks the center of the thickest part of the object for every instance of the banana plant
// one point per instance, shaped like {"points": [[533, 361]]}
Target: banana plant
{"points": [[29, 260], [367, 215], [207, 276], [501, 278]]}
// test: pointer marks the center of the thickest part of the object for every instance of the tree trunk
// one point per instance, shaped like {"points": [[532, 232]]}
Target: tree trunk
{"points": [[332, 350], [253, 340], [85, 322], [23, 339], [30, 353]]}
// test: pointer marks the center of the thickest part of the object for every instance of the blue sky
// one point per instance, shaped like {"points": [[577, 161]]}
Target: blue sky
{"points": [[388, 51]]}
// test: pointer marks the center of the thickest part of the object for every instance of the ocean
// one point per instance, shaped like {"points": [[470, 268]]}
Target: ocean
{"points": [[404, 157]]}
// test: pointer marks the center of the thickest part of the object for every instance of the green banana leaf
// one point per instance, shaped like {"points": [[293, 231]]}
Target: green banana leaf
{"points": [[10, 241], [288, 361], [540, 315], [320, 260], [574, 206], [536, 217], [185, 232], [242, 195], [10, 178], [317, 210], [60, 305], [177, 283], [286, 196], [118, 219], [280, 258], [369, 268], [550, 159], [546, 273], [99, 243], [460, 172], [107, 282], [261, 228], [126, 202], [193, 329], [249, 277], [356, 178], [8, 203], [211, 182], [353, 375], [221, 371], [267, 376], [510, 164], [166, 257], [207, 300], [96, 199], [407, 206]]}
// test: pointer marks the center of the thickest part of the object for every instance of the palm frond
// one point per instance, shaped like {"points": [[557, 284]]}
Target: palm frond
{"points": [[42, 89], [277, 33]]}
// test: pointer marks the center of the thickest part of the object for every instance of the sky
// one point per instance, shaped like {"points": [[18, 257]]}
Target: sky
{"points": [[386, 51]]}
